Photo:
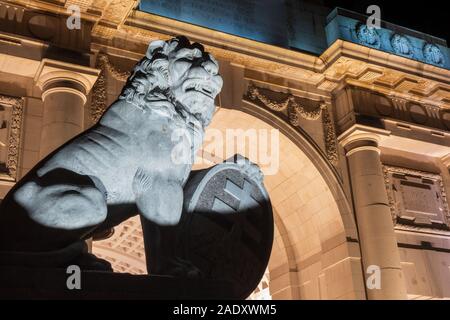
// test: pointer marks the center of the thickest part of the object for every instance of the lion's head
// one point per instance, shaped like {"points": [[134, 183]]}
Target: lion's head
{"points": [[179, 73]]}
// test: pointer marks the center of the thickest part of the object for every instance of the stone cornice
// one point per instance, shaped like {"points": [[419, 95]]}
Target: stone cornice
{"points": [[349, 63], [117, 24], [225, 41], [342, 63], [382, 59]]}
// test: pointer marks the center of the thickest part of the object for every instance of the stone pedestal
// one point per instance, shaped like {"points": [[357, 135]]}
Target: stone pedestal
{"points": [[375, 227]]}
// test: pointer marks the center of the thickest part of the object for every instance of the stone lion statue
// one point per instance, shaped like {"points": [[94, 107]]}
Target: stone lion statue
{"points": [[136, 159]]}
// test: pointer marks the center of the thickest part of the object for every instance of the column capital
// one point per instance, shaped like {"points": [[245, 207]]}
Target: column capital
{"points": [[56, 76], [360, 137], [66, 88]]}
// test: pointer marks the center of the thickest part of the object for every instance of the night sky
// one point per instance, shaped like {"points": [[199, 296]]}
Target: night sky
{"points": [[431, 17]]}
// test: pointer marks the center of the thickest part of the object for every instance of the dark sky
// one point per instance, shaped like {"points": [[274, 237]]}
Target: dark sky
{"points": [[432, 17]]}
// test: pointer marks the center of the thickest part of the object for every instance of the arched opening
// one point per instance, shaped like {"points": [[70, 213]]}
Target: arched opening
{"points": [[311, 258]]}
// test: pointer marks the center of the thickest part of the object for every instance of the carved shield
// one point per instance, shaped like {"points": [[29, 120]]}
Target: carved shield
{"points": [[227, 224]]}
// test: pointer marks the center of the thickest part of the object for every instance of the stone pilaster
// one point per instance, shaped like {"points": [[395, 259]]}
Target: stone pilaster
{"points": [[373, 216], [64, 88]]}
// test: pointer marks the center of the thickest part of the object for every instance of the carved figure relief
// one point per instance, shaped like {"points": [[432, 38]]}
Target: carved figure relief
{"points": [[402, 46], [368, 36], [433, 54]]}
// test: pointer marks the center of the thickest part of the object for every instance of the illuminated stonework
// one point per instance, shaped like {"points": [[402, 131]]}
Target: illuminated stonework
{"points": [[11, 117], [373, 97]]}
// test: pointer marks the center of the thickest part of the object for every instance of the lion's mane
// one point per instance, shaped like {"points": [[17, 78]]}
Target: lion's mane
{"points": [[148, 87]]}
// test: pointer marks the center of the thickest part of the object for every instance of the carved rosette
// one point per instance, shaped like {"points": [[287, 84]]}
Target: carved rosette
{"points": [[14, 137], [296, 111]]}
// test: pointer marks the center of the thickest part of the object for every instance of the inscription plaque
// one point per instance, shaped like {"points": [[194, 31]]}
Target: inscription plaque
{"points": [[417, 198]]}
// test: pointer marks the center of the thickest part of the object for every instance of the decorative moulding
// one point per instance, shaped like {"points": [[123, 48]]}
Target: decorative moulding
{"points": [[348, 26], [296, 110], [13, 125]]}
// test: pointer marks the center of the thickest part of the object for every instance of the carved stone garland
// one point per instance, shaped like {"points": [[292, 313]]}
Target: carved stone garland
{"points": [[296, 111], [329, 134], [98, 105], [14, 137]]}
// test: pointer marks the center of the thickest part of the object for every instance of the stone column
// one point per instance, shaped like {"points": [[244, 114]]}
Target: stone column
{"points": [[62, 114], [373, 216], [64, 88]]}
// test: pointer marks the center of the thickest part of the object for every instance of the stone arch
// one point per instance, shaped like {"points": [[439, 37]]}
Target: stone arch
{"points": [[306, 144], [311, 257], [288, 254]]}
